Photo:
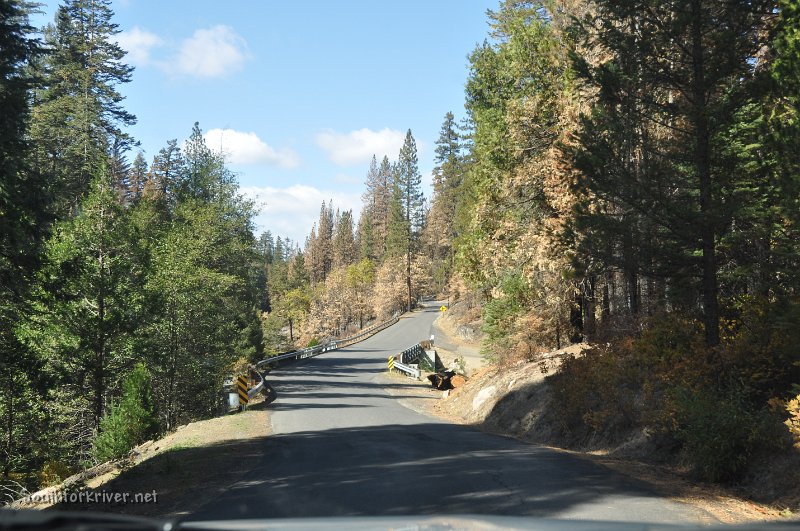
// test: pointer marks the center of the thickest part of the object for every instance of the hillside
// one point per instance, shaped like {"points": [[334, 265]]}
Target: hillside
{"points": [[208, 455]]}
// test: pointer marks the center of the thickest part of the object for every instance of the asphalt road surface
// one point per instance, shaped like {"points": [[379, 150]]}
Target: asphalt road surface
{"points": [[343, 446]]}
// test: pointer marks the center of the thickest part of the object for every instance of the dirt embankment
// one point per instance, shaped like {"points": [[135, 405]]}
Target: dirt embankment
{"points": [[171, 476]]}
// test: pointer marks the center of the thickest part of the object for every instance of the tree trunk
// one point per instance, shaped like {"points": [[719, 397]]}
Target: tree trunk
{"points": [[576, 317], [408, 275], [605, 312], [558, 333], [101, 344], [590, 305], [702, 163], [9, 446], [631, 272]]}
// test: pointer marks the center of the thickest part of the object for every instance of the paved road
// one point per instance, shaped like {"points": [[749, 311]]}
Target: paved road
{"points": [[341, 445]]}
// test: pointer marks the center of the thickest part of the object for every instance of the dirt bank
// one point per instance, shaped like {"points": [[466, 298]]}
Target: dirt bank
{"points": [[180, 472]]}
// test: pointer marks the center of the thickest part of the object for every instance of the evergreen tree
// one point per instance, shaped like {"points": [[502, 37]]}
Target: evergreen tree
{"points": [[79, 117], [24, 198], [515, 200], [366, 237], [202, 305], [165, 172], [130, 422], [345, 251], [137, 178], [320, 250], [407, 208], [204, 175], [376, 212], [24, 217], [372, 192], [90, 306], [119, 169], [447, 177], [672, 86], [280, 251], [447, 172], [376, 199]]}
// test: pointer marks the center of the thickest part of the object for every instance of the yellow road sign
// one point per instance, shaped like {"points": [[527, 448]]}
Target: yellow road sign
{"points": [[391, 362], [241, 386], [443, 308]]}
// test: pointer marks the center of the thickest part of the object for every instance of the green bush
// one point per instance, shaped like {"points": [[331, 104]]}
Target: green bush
{"points": [[720, 432], [130, 422]]}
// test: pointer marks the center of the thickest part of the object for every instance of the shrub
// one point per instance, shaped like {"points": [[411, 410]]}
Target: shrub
{"points": [[130, 422], [711, 404], [761, 346], [793, 422], [54, 472], [720, 432]]}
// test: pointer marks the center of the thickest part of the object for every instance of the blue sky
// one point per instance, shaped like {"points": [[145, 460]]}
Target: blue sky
{"points": [[298, 95]]}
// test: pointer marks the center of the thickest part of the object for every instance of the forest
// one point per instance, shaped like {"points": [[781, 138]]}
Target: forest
{"points": [[627, 175]]}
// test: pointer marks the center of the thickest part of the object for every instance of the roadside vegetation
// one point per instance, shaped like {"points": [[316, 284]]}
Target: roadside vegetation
{"points": [[632, 181]]}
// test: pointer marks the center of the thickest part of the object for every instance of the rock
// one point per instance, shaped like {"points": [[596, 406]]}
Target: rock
{"points": [[483, 395], [466, 332], [445, 394]]}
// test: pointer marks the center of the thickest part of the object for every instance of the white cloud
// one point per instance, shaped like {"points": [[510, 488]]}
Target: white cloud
{"points": [[213, 52], [138, 43], [357, 147], [292, 211], [246, 148]]}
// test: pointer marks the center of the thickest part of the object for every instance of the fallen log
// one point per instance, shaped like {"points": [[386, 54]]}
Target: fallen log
{"points": [[444, 380], [457, 381], [440, 381]]}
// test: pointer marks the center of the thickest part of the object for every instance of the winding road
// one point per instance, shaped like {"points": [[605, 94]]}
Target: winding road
{"points": [[342, 445]]}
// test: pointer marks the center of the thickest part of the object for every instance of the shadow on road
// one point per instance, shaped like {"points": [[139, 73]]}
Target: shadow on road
{"points": [[421, 469], [183, 479]]}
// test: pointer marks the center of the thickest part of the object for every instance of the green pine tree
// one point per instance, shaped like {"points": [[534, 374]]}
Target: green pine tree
{"points": [[130, 422], [407, 212], [78, 115], [24, 219]]}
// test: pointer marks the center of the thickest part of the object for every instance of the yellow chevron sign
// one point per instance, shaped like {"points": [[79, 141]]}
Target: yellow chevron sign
{"points": [[391, 362], [241, 385], [443, 309]]}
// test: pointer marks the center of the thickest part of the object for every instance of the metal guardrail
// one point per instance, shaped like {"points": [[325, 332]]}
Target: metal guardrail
{"points": [[310, 352], [307, 353], [403, 361], [411, 354], [408, 369], [251, 393]]}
